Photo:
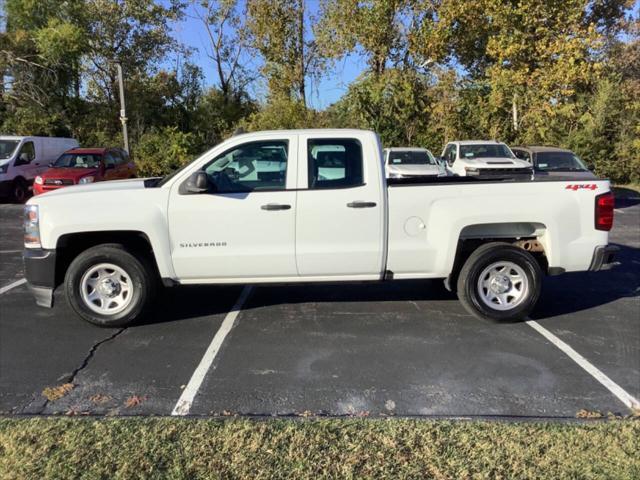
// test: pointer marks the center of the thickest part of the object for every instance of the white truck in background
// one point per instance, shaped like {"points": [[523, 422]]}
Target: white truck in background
{"points": [[258, 208], [24, 158], [484, 159]]}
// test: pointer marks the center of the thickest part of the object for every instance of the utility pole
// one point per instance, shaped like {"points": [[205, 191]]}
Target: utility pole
{"points": [[123, 110]]}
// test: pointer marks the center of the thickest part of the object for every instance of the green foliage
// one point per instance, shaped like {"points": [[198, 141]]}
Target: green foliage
{"points": [[161, 151], [435, 71]]}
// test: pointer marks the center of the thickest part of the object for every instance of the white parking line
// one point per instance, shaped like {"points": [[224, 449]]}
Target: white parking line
{"points": [[630, 401], [183, 406], [15, 284]]}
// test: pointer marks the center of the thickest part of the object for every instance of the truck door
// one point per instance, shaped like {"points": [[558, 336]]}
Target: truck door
{"points": [[244, 227], [341, 208]]}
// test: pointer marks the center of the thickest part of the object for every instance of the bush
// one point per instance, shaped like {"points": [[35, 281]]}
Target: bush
{"points": [[162, 151]]}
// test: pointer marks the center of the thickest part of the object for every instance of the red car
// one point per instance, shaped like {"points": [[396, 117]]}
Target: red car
{"points": [[85, 165]]}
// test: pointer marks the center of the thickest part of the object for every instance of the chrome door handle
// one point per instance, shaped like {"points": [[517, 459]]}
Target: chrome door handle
{"points": [[275, 206], [359, 204]]}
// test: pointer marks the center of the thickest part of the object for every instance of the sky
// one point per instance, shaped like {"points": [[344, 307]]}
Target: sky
{"points": [[321, 94]]}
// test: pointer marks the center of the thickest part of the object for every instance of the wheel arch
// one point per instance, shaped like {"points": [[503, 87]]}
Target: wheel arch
{"points": [[530, 236], [70, 245]]}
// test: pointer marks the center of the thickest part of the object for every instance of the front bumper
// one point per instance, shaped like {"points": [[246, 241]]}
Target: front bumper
{"points": [[603, 258], [40, 271]]}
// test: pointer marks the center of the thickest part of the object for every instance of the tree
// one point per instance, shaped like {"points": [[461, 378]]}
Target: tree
{"points": [[226, 33], [278, 30]]}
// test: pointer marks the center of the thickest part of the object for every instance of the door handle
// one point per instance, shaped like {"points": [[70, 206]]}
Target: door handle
{"points": [[360, 204], [275, 206]]}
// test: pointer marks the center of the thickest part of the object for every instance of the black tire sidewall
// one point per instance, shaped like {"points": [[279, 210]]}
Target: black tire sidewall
{"points": [[117, 256], [496, 254], [19, 185]]}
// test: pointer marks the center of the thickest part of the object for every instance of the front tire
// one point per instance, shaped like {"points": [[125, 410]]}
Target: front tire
{"points": [[499, 282], [19, 190], [109, 287]]}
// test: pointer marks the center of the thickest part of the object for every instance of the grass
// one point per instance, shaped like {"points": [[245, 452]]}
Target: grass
{"points": [[315, 448]]}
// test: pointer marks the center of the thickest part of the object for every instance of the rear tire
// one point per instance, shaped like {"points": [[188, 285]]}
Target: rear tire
{"points": [[109, 287], [499, 282]]}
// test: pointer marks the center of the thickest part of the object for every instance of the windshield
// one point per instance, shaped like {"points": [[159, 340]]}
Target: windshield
{"points": [[559, 162], [496, 150], [78, 160], [411, 157], [7, 147]]}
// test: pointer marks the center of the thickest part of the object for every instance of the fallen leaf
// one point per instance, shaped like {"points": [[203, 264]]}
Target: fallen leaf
{"points": [[134, 401], [54, 393]]}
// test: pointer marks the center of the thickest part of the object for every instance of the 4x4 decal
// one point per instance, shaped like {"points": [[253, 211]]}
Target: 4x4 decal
{"points": [[581, 186]]}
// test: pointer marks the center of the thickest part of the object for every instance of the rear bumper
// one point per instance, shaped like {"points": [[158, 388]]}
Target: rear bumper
{"points": [[40, 271], [603, 258]]}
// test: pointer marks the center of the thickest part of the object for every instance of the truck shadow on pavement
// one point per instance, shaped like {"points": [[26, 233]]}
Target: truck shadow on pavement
{"points": [[574, 292], [561, 295]]}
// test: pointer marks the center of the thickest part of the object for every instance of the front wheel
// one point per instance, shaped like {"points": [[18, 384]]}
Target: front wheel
{"points": [[109, 287], [19, 190], [500, 282]]}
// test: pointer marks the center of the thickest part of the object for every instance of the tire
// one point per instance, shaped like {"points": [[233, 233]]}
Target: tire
{"points": [[499, 282], [109, 287], [19, 190]]}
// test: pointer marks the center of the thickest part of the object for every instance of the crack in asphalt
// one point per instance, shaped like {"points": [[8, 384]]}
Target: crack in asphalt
{"points": [[72, 376]]}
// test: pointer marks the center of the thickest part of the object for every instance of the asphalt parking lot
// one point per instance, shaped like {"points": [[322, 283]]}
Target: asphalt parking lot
{"points": [[403, 348]]}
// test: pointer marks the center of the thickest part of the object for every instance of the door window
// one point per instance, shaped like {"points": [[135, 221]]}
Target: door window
{"points": [[109, 160], [251, 166], [26, 155], [334, 163], [450, 154]]}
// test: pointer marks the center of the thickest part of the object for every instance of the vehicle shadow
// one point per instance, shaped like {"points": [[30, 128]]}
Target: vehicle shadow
{"points": [[564, 294], [574, 292]]}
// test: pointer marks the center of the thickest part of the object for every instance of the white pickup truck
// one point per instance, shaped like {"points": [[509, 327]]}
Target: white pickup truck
{"points": [[310, 206]]}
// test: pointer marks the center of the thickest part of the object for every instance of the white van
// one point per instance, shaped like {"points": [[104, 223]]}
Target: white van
{"points": [[23, 158]]}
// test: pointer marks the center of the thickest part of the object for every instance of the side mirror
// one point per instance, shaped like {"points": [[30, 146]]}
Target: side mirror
{"points": [[198, 182], [24, 157]]}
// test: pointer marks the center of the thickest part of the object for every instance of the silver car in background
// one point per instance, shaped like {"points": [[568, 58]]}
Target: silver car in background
{"points": [[411, 162]]}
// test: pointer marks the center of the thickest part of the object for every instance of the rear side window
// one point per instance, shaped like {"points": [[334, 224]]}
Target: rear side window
{"points": [[334, 163]]}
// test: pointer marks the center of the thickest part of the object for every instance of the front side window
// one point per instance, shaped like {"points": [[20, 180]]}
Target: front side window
{"points": [[250, 167], [27, 154], [559, 162], [109, 160], [522, 155], [450, 154], [72, 160], [7, 147], [470, 152], [334, 163]]}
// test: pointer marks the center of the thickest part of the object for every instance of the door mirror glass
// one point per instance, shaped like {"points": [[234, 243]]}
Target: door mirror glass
{"points": [[198, 182]]}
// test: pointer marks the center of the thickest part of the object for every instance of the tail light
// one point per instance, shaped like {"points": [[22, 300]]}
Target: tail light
{"points": [[604, 211]]}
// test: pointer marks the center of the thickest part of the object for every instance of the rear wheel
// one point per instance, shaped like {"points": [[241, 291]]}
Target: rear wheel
{"points": [[107, 286], [499, 282]]}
